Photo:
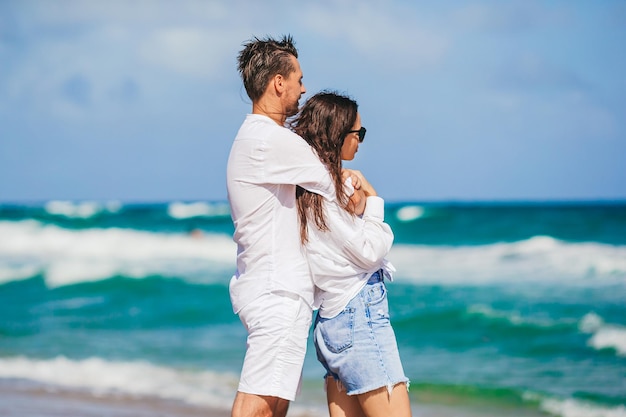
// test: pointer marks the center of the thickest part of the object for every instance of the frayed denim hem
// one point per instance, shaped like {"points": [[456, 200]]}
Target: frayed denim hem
{"points": [[340, 387]]}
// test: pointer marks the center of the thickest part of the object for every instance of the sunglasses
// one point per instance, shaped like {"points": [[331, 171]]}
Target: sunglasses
{"points": [[361, 133]]}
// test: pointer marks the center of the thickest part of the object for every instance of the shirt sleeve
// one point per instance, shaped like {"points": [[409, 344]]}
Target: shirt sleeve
{"points": [[370, 239], [290, 160]]}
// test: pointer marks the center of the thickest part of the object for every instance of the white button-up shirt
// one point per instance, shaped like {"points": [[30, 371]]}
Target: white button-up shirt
{"points": [[343, 258], [266, 163]]}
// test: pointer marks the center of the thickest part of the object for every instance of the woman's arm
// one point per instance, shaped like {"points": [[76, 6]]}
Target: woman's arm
{"points": [[367, 240], [357, 202], [371, 238], [361, 189]]}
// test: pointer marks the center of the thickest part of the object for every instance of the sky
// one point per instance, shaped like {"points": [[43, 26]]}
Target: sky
{"points": [[139, 101]]}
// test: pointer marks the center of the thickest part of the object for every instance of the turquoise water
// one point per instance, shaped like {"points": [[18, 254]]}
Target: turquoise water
{"points": [[518, 308]]}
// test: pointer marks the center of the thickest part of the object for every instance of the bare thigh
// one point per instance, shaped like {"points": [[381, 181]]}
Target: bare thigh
{"points": [[377, 403], [252, 405], [341, 404], [380, 403]]}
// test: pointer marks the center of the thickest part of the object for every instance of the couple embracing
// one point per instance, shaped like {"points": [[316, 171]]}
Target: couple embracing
{"points": [[310, 235]]}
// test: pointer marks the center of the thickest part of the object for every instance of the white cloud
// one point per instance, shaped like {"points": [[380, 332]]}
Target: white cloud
{"points": [[100, 58], [195, 52], [109, 45], [137, 12], [111, 42], [393, 36], [458, 72]]}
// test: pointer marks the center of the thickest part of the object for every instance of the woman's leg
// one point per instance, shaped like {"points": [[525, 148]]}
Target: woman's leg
{"points": [[379, 403], [359, 347], [341, 404]]}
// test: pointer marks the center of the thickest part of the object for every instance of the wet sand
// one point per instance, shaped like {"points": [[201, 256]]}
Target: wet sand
{"points": [[17, 401]]}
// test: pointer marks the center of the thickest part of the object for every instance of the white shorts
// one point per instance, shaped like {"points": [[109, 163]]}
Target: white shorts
{"points": [[278, 327]]}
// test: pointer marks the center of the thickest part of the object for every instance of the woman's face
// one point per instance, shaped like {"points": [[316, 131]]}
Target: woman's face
{"points": [[351, 142]]}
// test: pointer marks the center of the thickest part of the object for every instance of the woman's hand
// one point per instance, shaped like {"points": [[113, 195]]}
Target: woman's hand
{"points": [[364, 184], [357, 202], [348, 173]]}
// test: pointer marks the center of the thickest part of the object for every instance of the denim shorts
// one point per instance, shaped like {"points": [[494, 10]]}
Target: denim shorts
{"points": [[358, 346]]}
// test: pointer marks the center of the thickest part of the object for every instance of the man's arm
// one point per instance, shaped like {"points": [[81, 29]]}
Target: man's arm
{"points": [[288, 159]]}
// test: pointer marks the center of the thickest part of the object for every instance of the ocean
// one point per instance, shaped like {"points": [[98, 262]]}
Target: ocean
{"points": [[513, 309]]}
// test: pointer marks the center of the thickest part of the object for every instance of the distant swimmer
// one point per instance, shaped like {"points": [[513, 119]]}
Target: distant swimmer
{"points": [[195, 233]]}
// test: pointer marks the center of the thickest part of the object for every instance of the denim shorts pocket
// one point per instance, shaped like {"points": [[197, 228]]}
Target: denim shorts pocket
{"points": [[338, 332], [375, 293]]}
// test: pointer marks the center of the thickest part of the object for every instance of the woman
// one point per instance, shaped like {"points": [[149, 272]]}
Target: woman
{"points": [[353, 335]]}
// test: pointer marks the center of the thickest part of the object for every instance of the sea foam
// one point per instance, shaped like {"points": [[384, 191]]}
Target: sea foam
{"points": [[65, 256], [604, 336], [515, 318], [100, 377], [575, 408], [538, 259], [410, 213], [141, 379], [83, 210], [180, 210]]}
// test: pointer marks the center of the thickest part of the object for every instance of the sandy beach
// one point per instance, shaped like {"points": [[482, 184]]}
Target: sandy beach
{"points": [[21, 401]]}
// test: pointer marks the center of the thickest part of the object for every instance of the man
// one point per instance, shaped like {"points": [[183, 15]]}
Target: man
{"points": [[272, 290]]}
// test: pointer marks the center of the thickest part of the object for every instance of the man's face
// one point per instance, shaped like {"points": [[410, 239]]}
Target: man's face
{"points": [[294, 88]]}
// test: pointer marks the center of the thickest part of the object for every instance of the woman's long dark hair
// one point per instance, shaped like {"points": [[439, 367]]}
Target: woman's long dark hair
{"points": [[324, 122]]}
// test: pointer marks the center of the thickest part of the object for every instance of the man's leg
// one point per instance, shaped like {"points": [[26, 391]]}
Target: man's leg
{"points": [[278, 327], [251, 405]]}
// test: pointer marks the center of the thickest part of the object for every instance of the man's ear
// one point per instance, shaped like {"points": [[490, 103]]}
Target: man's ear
{"points": [[279, 83]]}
